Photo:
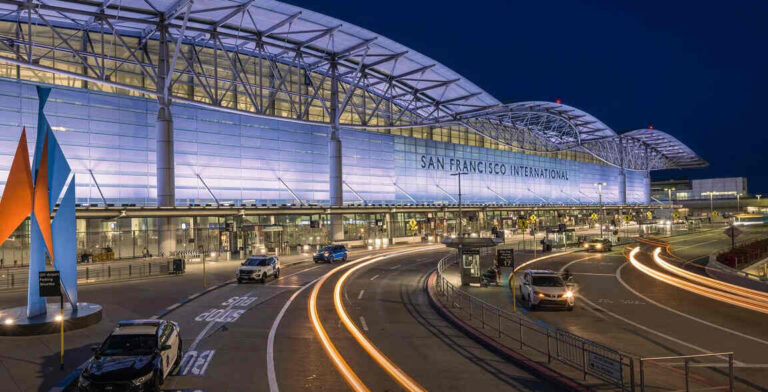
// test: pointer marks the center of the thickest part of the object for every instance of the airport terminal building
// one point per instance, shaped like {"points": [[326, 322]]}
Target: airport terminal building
{"points": [[189, 121]]}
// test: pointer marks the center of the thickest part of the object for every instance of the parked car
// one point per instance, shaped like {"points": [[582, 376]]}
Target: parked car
{"points": [[137, 356], [546, 288], [598, 244], [331, 253], [258, 268]]}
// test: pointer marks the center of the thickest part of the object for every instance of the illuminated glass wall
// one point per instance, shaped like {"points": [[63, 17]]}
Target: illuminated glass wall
{"points": [[109, 140]]}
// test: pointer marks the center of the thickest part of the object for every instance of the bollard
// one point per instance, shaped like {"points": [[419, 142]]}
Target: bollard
{"points": [[87, 274], [109, 271], [687, 375], [150, 268], [13, 279], [130, 270]]}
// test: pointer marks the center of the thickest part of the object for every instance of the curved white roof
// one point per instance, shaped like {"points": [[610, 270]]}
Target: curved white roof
{"points": [[427, 91]]}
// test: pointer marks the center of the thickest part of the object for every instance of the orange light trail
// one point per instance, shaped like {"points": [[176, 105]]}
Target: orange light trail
{"points": [[747, 303]]}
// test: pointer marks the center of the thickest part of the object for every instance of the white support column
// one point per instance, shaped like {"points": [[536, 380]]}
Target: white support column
{"points": [[166, 179], [622, 175], [336, 190]]}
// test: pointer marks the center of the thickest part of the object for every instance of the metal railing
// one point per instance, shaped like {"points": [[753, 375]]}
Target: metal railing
{"points": [[615, 368], [519, 332], [18, 278], [689, 380]]}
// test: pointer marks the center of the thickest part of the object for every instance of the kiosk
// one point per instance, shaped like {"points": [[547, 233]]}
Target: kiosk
{"points": [[469, 256]]}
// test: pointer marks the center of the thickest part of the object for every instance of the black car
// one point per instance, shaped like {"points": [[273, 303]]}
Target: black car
{"points": [[137, 356], [331, 253]]}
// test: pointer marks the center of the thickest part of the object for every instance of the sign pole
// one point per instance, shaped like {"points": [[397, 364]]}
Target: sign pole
{"points": [[61, 331], [205, 284]]}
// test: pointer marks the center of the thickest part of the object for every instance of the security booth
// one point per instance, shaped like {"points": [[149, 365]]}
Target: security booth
{"points": [[469, 251]]}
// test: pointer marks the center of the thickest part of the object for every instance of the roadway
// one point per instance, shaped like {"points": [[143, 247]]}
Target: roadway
{"points": [[260, 337], [622, 307], [385, 300]]}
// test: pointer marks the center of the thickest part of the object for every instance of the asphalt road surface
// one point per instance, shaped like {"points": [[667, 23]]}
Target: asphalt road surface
{"points": [[623, 308], [226, 335]]}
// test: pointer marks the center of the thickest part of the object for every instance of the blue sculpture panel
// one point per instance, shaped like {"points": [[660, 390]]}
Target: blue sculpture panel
{"points": [[64, 243]]}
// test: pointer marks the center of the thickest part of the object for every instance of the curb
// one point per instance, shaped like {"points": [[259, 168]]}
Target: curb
{"points": [[558, 380]]}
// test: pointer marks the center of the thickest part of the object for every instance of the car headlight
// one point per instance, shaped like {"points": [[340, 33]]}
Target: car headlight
{"points": [[538, 294], [326, 254], [586, 246], [142, 379], [599, 246], [568, 294]]}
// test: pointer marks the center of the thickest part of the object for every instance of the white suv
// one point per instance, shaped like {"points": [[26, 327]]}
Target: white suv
{"points": [[258, 268], [546, 288]]}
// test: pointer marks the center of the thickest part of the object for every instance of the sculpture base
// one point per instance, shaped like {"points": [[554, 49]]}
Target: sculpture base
{"points": [[14, 321]]}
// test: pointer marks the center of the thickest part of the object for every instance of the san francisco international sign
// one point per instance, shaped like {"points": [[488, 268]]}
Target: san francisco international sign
{"points": [[431, 162]]}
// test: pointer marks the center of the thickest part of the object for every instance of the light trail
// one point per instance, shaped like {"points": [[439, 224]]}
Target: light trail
{"points": [[394, 371], [713, 283], [717, 295], [341, 364]]}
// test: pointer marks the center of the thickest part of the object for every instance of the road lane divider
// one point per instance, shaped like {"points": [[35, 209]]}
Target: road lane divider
{"points": [[271, 375], [717, 295]]}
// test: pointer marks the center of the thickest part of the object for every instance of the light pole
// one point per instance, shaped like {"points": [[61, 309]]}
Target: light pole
{"points": [[738, 202], [599, 186], [459, 174]]}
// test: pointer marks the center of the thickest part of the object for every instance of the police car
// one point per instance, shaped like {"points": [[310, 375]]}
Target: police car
{"points": [[137, 356]]}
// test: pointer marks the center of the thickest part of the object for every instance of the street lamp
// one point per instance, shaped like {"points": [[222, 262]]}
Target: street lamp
{"points": [[459, 174], [758, 197], [738, 202], [599, 186]]}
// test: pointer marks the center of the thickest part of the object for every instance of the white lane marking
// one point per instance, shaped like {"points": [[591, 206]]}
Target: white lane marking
{"points": [[271, 376], [208, 327], [633, 291], [374, 277], [674, 248], [363, 323], [196, 362], [592, 274], [287, 286], [295, 273], [395, 267], [575, 261], [644, 328], [360, 296]]}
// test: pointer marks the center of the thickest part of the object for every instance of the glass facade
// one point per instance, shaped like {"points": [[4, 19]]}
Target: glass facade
{"points": [[109, 140]]}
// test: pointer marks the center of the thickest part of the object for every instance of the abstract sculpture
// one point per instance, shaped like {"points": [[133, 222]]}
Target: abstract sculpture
{"points": [[36, 191]]}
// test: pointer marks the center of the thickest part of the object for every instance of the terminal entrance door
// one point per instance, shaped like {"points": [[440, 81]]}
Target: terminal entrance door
{"points": [[273, 238], [470, 266]]}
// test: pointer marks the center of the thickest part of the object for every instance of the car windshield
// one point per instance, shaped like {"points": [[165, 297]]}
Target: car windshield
{"points": [[548, 281], [596, 241], [328, 249], [122, 345], [256, 262]]}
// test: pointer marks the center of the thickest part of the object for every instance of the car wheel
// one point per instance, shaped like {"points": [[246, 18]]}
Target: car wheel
{"points": [[330, 260], [570, 308], [531, 305], [263, 277], [316, 261], [239, 281]]}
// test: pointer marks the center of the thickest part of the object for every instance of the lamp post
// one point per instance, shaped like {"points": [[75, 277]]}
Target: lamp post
{"points": [[459, 174], [711, 208], [738, 202], [599, 186]]}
